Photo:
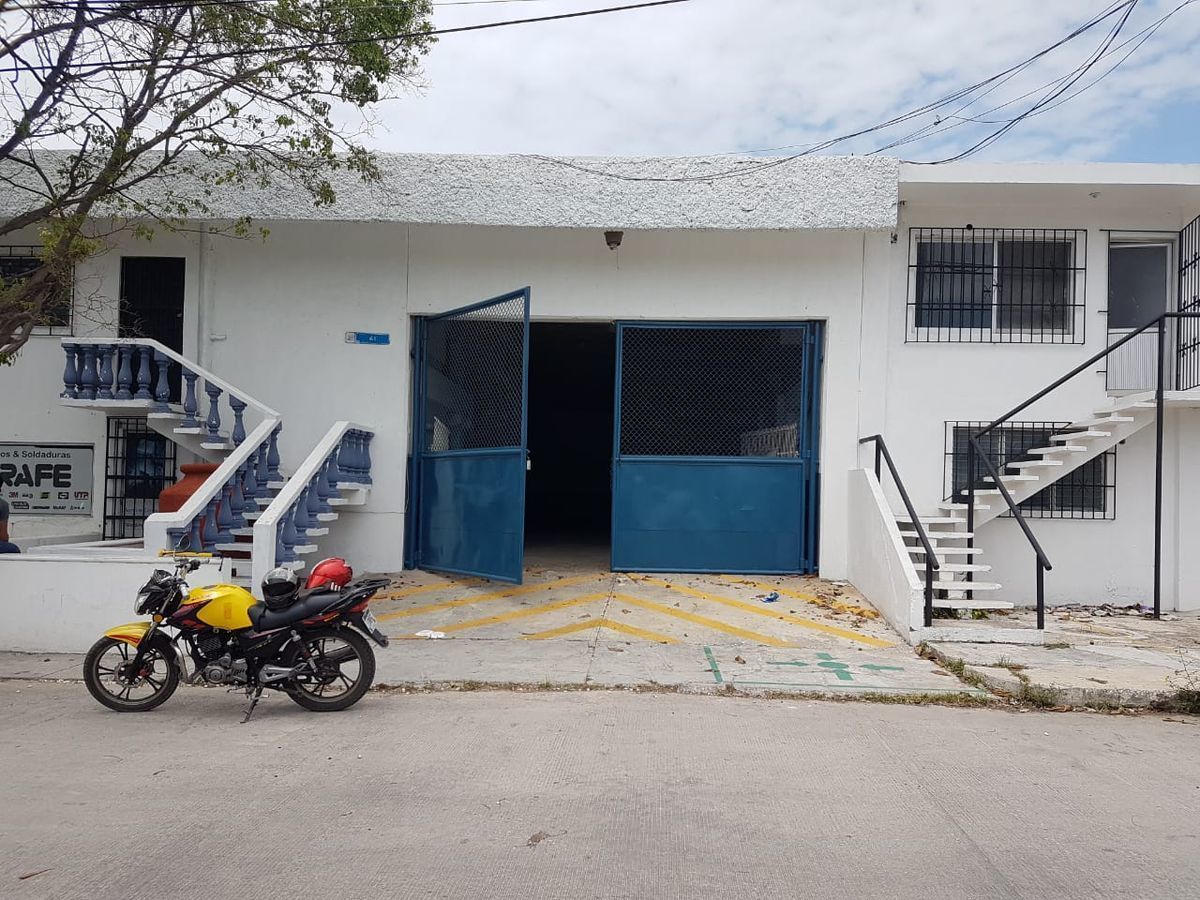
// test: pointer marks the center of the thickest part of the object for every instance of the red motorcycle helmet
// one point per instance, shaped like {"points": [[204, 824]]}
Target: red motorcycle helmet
{"points": [[329, 573]]}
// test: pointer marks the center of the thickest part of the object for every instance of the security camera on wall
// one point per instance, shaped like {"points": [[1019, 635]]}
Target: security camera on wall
{"points": [[613, 239]]}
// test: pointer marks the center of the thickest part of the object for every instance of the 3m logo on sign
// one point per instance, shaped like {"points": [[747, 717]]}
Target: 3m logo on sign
{"points": [[47, 479]]}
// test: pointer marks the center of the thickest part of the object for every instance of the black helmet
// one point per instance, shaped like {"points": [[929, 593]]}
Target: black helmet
{"points": [[280, 587]]}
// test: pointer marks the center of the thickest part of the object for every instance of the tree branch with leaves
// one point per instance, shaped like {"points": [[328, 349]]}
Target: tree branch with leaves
{"points": [[139, 113]]}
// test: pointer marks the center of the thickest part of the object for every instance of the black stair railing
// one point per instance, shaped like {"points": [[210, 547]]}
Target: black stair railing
{"points": [[1185, 377], [931, 561]]}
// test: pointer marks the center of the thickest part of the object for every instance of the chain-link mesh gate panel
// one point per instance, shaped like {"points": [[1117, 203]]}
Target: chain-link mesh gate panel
{"points": [[475, 364], [711, 391]]}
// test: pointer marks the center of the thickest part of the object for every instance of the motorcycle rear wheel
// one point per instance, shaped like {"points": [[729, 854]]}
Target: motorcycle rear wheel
{"points": [[100, 673], [338, 689]]}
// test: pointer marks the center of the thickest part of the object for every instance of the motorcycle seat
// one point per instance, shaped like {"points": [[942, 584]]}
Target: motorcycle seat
{"points": [[306, 606]]}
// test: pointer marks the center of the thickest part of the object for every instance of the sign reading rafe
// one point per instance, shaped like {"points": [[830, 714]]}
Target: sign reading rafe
{"points": [[47, 479]]}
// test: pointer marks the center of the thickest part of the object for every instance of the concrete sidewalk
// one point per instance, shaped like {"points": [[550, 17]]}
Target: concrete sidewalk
{"points": [[1100, 657], [566, 664]]}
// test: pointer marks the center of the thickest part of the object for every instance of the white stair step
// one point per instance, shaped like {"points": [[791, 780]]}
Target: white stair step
{"points": [[931, 520], [277, 485], [1102, 420], [1061, 448], [939, 552], [174, 412], [1007, 478], [963, 567], [316, 532], [305, 549], [242, 532], [190, 430], [964, 603], [955, 506], [340, 501], [1034, 463], [294, 565], [937, 536], [1079, 435], [235, 548], [263, 502], [352, 486], [966, 586], [327, 517], [216, 445]]}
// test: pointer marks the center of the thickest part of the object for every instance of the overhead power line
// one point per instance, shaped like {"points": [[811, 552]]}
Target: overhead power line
{"points": [[971, 95], [345, 42]]}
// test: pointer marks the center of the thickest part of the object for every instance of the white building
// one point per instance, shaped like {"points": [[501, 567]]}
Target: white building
{"points": [[702, 357]]}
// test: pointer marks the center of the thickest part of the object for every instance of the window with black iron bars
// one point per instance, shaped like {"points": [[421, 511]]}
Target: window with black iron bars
{"points": [[996, 285], [1089, 492], [18, 262]]}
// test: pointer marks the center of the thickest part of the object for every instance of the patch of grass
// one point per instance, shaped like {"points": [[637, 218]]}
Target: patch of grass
{"points": [[1036, 695], [956, 667], [1056, 645], [1005, 663]]}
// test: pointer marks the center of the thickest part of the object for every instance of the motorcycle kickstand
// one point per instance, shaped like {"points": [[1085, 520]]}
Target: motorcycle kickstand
{"points": [[253, 703]]}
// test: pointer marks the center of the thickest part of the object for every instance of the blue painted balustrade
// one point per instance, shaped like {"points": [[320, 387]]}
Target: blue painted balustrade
{"points": [[227, 508], [109, 371]]}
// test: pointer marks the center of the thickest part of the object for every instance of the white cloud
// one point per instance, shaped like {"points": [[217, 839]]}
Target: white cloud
{"points": [[725, 75]]}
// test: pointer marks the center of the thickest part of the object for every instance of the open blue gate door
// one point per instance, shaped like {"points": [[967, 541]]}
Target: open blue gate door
{"points": [[716, 447], [469, 444]]}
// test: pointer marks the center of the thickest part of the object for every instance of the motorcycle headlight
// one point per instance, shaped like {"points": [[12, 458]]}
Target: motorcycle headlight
{"points": [[139, 605]]}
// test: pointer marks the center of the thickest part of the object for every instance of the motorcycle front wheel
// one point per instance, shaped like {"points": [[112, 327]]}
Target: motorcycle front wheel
{"points": [[345, 669], [107, 674]]}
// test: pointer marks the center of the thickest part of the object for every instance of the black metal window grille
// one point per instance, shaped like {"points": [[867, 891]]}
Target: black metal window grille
{"points": [[18, 262], [712, 391], [1187, 335], [996, 285], [139, 463], [1089, 492]]}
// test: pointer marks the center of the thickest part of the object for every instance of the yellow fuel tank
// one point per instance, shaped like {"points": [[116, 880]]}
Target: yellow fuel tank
{"points": [[225, 606]]}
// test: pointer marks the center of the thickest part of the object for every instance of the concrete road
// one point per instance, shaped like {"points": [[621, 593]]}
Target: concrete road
{"points": [[580, 795]]}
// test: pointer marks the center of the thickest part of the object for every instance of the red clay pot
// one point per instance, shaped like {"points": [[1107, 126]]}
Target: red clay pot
{"points": [[194, 475]]}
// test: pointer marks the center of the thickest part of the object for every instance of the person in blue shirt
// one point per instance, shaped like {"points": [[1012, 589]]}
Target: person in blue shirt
{"points": [[6, 546]]}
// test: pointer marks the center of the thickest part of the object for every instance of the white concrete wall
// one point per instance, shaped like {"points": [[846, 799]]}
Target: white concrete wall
{"points": [[928, 384], [280, 310], [64, 602], [878, 558]]}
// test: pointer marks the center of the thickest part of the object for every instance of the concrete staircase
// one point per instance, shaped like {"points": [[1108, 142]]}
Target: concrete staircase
{"points": [[959, 585], [249, 511]]}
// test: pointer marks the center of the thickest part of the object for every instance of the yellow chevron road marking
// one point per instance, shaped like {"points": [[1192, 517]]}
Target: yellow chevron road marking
{"points": [[854, 609], [424, 589], [602, 623], [494, 595], [703, 621], [524, 613], [771, 614]]}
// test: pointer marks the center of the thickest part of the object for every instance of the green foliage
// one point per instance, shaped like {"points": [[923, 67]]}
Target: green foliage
{"points": [[170, 107]]}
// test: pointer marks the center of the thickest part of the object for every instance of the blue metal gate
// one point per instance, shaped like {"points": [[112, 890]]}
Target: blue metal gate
{"points": [[716, 447], [469, 446]]}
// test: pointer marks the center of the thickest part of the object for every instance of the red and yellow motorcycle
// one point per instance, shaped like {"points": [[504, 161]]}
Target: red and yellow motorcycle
{"points": [[310, 643]]}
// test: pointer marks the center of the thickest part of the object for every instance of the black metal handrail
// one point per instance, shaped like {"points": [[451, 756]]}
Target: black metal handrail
{"points": [[975, 450], [931, 562]]}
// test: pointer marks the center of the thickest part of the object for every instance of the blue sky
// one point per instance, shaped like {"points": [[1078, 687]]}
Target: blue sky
{"points": [[714, 76]]}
